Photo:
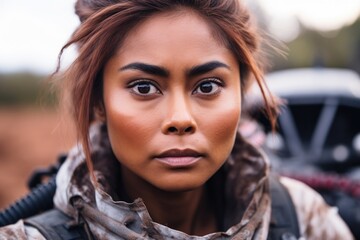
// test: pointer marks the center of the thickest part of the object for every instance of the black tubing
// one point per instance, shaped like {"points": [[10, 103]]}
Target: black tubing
{"points": [[38, 200]]}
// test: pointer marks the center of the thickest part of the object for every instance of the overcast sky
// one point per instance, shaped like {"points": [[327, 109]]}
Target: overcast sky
{"points": [[33, 31]]}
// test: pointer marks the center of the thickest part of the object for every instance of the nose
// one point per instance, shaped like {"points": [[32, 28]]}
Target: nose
{"points": [[179, 118]]}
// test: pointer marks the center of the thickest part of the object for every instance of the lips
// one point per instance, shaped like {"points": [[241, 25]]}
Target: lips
{"points": [[179, 158]]}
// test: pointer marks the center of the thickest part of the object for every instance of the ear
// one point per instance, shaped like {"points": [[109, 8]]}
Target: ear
{"points": [[100, 113]]}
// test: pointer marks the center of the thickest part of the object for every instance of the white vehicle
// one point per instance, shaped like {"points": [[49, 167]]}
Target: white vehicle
{"points": [[320, 120]]}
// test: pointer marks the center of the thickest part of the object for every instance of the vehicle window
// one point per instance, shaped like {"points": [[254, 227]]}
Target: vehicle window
{"points": [[345, 127], [305, 118]]}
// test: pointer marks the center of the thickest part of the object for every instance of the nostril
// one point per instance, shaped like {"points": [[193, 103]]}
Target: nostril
{"points": [[188, 129], [181, 130], [172, 129]]}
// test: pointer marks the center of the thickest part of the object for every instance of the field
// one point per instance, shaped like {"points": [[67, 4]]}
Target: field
{"points": [[30, 138]]}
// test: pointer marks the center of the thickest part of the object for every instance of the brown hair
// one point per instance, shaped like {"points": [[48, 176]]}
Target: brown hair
{"points": [[105, 24]]}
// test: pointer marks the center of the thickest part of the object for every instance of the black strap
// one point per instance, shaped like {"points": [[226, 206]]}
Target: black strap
{"points": [[284, 223], [55, 225]]}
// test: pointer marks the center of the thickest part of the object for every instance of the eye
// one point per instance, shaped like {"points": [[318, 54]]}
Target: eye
{"points": [[143, 88], [208, 87]]}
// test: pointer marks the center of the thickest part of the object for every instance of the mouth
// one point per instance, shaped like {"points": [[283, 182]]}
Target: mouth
{"points": [[179, 158]]}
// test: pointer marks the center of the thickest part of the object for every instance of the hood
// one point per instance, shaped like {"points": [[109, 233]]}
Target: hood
{"points": [[246, 209]]}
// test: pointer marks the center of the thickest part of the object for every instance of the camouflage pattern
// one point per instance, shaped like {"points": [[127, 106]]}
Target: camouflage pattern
{"points": [[247, 215]]}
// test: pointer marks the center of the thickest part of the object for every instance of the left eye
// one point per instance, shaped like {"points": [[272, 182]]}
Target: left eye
{"points": [[144, 88], [208, 87]]}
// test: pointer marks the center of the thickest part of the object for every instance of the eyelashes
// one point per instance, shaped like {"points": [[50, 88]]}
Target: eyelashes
{"points": [[146, 88], [210, 86]]}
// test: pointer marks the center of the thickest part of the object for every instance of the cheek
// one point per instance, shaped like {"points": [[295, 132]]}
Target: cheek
{"points": [[224, 126], [124, 129], [220, 128], [130, 127]]}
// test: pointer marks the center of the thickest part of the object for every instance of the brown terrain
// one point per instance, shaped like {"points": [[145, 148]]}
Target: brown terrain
{"points": [[29, 139]]}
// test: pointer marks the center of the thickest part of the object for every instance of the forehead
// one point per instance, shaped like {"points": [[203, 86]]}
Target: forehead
{"points": [[177, 29]]}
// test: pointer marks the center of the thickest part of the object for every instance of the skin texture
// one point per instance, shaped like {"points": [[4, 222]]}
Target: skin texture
{"points": [[174, 105]]}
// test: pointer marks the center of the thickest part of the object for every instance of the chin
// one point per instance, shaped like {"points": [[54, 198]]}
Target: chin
{"points": [[180, 184]]}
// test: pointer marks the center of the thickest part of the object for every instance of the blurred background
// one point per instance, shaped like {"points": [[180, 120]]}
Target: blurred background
{"points": [[33, 132]]}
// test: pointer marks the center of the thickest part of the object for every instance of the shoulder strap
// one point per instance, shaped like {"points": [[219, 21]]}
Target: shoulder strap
{"points": [[284, 223], [55, 225]]}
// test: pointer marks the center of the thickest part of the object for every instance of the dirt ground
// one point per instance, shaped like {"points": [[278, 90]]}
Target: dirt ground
{"points": [[29, 139]]}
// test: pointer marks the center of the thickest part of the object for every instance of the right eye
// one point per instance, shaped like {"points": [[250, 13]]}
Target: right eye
{"points": [[143, 88]]}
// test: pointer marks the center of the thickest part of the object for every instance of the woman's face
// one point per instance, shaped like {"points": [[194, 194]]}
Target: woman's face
{"points": [[172, 102]]}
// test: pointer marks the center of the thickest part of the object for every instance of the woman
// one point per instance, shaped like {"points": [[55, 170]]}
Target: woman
{"points": [[156, 95]]}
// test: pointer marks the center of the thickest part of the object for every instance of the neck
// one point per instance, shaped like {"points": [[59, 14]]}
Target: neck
{"points": [[186, 211]]}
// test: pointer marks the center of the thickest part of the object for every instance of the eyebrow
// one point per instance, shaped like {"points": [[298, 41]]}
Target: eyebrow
{"points": [[205, 68], [147, 68], [163, 72]]}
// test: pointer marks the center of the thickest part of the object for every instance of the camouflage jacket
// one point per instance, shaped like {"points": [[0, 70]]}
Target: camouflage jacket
{"points": [[246, 190]]}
